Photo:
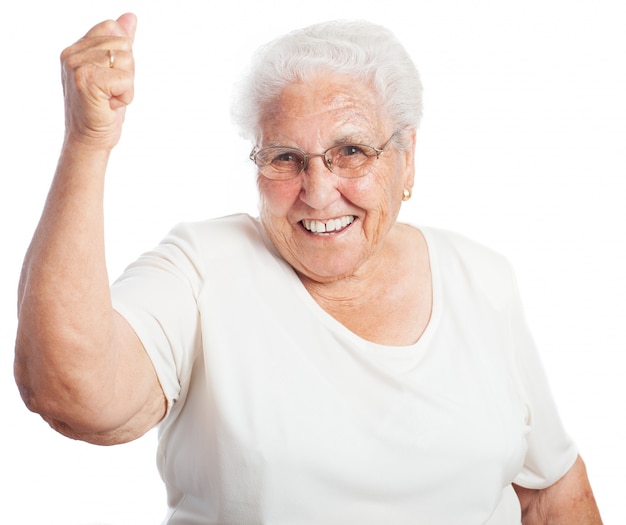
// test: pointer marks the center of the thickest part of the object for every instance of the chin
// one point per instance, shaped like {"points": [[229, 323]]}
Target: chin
{"points": [[325, 273]]}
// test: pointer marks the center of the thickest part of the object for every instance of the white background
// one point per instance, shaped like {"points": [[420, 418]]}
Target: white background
{"points": [[522, 147]]}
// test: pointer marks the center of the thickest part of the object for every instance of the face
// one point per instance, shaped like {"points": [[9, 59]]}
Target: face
{"points": [[328, 227]]}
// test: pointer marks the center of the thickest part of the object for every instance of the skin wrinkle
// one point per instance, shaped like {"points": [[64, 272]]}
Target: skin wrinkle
{"points": [[350, 114], [313, 117], [374, 268]]}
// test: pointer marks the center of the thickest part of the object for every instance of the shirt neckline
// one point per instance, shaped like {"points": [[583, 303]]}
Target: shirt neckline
{"points": [[377, 350]]}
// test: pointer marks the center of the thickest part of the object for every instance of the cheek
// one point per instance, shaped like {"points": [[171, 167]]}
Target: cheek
{"points": [[381, 197], [378, 191], [394, 184], [277, 198]]}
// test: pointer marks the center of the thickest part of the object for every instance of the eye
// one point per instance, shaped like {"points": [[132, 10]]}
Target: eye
{"points": [[350, 156], [350, 150], [287, 157], [279, 158]]}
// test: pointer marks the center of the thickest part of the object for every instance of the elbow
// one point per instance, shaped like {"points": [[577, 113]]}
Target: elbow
{"points": [[72, 404], [63, 411], [34, 373], [64, 400], [82, 387], [39, 392], [23, 375]]}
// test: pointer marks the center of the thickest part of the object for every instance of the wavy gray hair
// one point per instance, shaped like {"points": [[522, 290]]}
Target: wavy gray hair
{"points": [[368, 52]]}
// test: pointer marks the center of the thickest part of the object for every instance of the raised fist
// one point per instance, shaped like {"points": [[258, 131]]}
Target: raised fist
{"points": [[98, 82]]}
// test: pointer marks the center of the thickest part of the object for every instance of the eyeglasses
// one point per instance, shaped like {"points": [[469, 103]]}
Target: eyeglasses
{"points": [[344, 160]]}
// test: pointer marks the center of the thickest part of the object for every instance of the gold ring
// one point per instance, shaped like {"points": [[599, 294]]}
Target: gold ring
{"points": [[111, 58]]}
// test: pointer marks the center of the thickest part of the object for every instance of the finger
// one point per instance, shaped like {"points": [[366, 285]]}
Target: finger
{"points": [[106, 55], [83, 50], [128, 22], [112, 74], [125, 26], [122, 94], [109, 34], [112, 58], [88, 76], [120, 78]]}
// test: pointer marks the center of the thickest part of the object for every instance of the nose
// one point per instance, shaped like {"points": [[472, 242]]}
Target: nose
{"points": [[319, 184], [309, 156]]}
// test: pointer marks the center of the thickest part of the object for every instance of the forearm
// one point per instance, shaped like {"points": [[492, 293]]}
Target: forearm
{"points": [[569, 501], [65, 328]]}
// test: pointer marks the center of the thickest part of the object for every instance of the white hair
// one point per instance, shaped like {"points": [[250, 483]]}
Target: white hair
{"points": [[368, 52]]}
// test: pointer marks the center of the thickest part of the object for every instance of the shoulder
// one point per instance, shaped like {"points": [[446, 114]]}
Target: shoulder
{"points": [[455, 244], [459, 258], [220, 236], [194, 248], [239, 225]]}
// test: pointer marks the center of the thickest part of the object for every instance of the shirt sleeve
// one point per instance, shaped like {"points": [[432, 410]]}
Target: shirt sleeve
{"points": [[551, 452], [157, 295]]}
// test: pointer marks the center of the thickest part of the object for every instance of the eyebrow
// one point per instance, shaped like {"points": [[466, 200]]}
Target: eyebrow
{"points": [[345, 139], [355, 137]]}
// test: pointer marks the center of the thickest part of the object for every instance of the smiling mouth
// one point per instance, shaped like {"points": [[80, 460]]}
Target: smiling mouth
{"points": [[329, 226]]}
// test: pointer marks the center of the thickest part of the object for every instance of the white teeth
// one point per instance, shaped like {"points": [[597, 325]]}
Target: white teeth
{"points": [[331, 225], [318, 227]]}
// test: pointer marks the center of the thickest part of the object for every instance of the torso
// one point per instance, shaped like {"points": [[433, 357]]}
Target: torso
{"points": [[278, 407], [390, 305]]}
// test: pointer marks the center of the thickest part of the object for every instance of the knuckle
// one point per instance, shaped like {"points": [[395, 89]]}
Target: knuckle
{"points": [[83, 75], [70, 61], [64, 54], [109, 25], [67, 54]]}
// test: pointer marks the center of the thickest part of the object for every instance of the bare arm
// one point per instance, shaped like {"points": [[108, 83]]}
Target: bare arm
{"points": [[77, 362], [569, 501]]}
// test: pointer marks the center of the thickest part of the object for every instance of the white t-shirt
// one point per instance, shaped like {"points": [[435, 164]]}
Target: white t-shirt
{"points": [[278, 414]]}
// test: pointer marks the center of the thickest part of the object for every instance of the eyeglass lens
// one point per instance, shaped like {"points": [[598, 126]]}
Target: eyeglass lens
{"points": [[291, 161]]}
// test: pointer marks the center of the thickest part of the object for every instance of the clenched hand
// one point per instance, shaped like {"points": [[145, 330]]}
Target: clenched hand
{"points": [[98, 83]]}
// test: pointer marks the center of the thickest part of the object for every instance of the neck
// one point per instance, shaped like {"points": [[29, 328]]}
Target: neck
{"points": [[390, 301]]}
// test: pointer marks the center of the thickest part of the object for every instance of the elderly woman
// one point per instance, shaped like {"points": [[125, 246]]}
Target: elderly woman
{"points": [[320, 364]]}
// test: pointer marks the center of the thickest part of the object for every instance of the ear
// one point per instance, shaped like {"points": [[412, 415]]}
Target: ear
{"points": [[409, 158]]}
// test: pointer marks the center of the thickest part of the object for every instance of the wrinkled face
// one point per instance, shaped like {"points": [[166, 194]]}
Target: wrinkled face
{"points": [[328, 227]]}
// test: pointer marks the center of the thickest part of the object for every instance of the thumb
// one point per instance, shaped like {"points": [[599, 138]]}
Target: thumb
{"points": [[128, 22]]}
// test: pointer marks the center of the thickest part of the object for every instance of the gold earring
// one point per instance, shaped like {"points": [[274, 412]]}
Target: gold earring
{"points": [[406, 194]]}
